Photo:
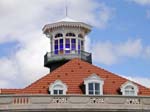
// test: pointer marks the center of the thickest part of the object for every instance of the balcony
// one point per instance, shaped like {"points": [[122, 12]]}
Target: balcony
{"points": [[53, 57], [74, 103]]}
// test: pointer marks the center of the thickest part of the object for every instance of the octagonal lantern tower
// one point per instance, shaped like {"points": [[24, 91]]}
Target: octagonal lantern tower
{"points": [[67, 40]]}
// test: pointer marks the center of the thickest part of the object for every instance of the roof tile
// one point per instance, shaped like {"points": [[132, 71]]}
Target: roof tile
{"points": [[73, 74]]}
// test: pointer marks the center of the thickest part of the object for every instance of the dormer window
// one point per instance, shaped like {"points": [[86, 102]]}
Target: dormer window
{"points": [[93, 85], [70, 35], [93, 88], [58, 88], [129, 89]]}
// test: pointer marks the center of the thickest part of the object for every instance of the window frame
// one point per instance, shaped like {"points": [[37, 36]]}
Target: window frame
{"points": [[58, 85], [134, 89], [93, 79], [58, 35]]}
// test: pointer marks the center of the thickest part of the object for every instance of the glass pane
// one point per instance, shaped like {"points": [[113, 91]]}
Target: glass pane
{"points": [[56, 51], [56, 42], [67, 51], [79, 45], [73, 44], [97, 86], [73, 41], [60, 91], [67, 41], [61, 46], [82, 43], [91, 86], [61, 41], [97, 92], [73, 47], [67, 45], [55, 91], [91, 92], [56, 47]]}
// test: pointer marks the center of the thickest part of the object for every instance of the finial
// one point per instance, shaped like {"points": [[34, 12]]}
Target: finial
{"points": [[66, 11], [66, 7]]}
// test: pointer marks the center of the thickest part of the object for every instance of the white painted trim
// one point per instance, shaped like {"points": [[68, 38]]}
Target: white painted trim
{"points": [[58, 83], [129, 83], [93, 79]]}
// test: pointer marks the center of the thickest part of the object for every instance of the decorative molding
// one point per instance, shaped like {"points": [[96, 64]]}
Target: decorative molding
{"points": [[96, 100], [60, 100], [58, 84], [93, 79], [129, 83], [132, 101], [73, 102]]}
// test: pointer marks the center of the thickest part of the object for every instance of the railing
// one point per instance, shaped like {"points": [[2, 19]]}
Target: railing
{"points": [[74, 103], [66, 55]]}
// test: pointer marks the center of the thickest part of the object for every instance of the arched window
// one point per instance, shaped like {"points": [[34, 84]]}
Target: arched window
{"points": [[58, 35], [70, 35], [129, 89], [58, 88], [80, 35], [93, 85]]}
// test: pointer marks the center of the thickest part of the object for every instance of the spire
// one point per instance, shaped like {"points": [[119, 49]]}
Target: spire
{"points": [[66, 11], [66, 8]]}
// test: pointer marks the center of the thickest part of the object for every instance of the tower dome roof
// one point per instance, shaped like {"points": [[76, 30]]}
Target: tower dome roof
{"points": [[66, 22], [67, 19]]}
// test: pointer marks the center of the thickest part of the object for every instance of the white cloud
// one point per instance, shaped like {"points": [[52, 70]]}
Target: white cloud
{"points": [[110, 53], [103, 52], [143, 81], [130, 48], [22, 21], [141, 2]]}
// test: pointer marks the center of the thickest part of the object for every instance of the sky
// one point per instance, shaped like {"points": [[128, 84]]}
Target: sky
{"points": [[119, 40]]}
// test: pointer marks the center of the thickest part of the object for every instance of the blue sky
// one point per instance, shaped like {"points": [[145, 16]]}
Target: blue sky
{"points": [[119, 41]]}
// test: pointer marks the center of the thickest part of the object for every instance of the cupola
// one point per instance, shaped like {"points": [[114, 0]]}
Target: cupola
{"points": [[67, 41]]}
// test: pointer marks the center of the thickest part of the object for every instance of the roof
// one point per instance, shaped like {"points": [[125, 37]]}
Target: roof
{"points": [[66, 22], [73, 74], [67, 19]]}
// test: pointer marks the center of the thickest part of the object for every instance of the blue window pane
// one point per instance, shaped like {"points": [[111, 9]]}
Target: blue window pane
{"points": [[67, 45], [56, 51], [56, 47], [73, 40], [82, 43], [79, 44], [61, 47], [61, 41], [67, 51], [73, 44], [73, 47], [56, 42], [79, 47], [67, 41]]}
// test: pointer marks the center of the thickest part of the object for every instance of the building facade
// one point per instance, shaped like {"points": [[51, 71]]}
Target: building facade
{"points": [[74, 84]]}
